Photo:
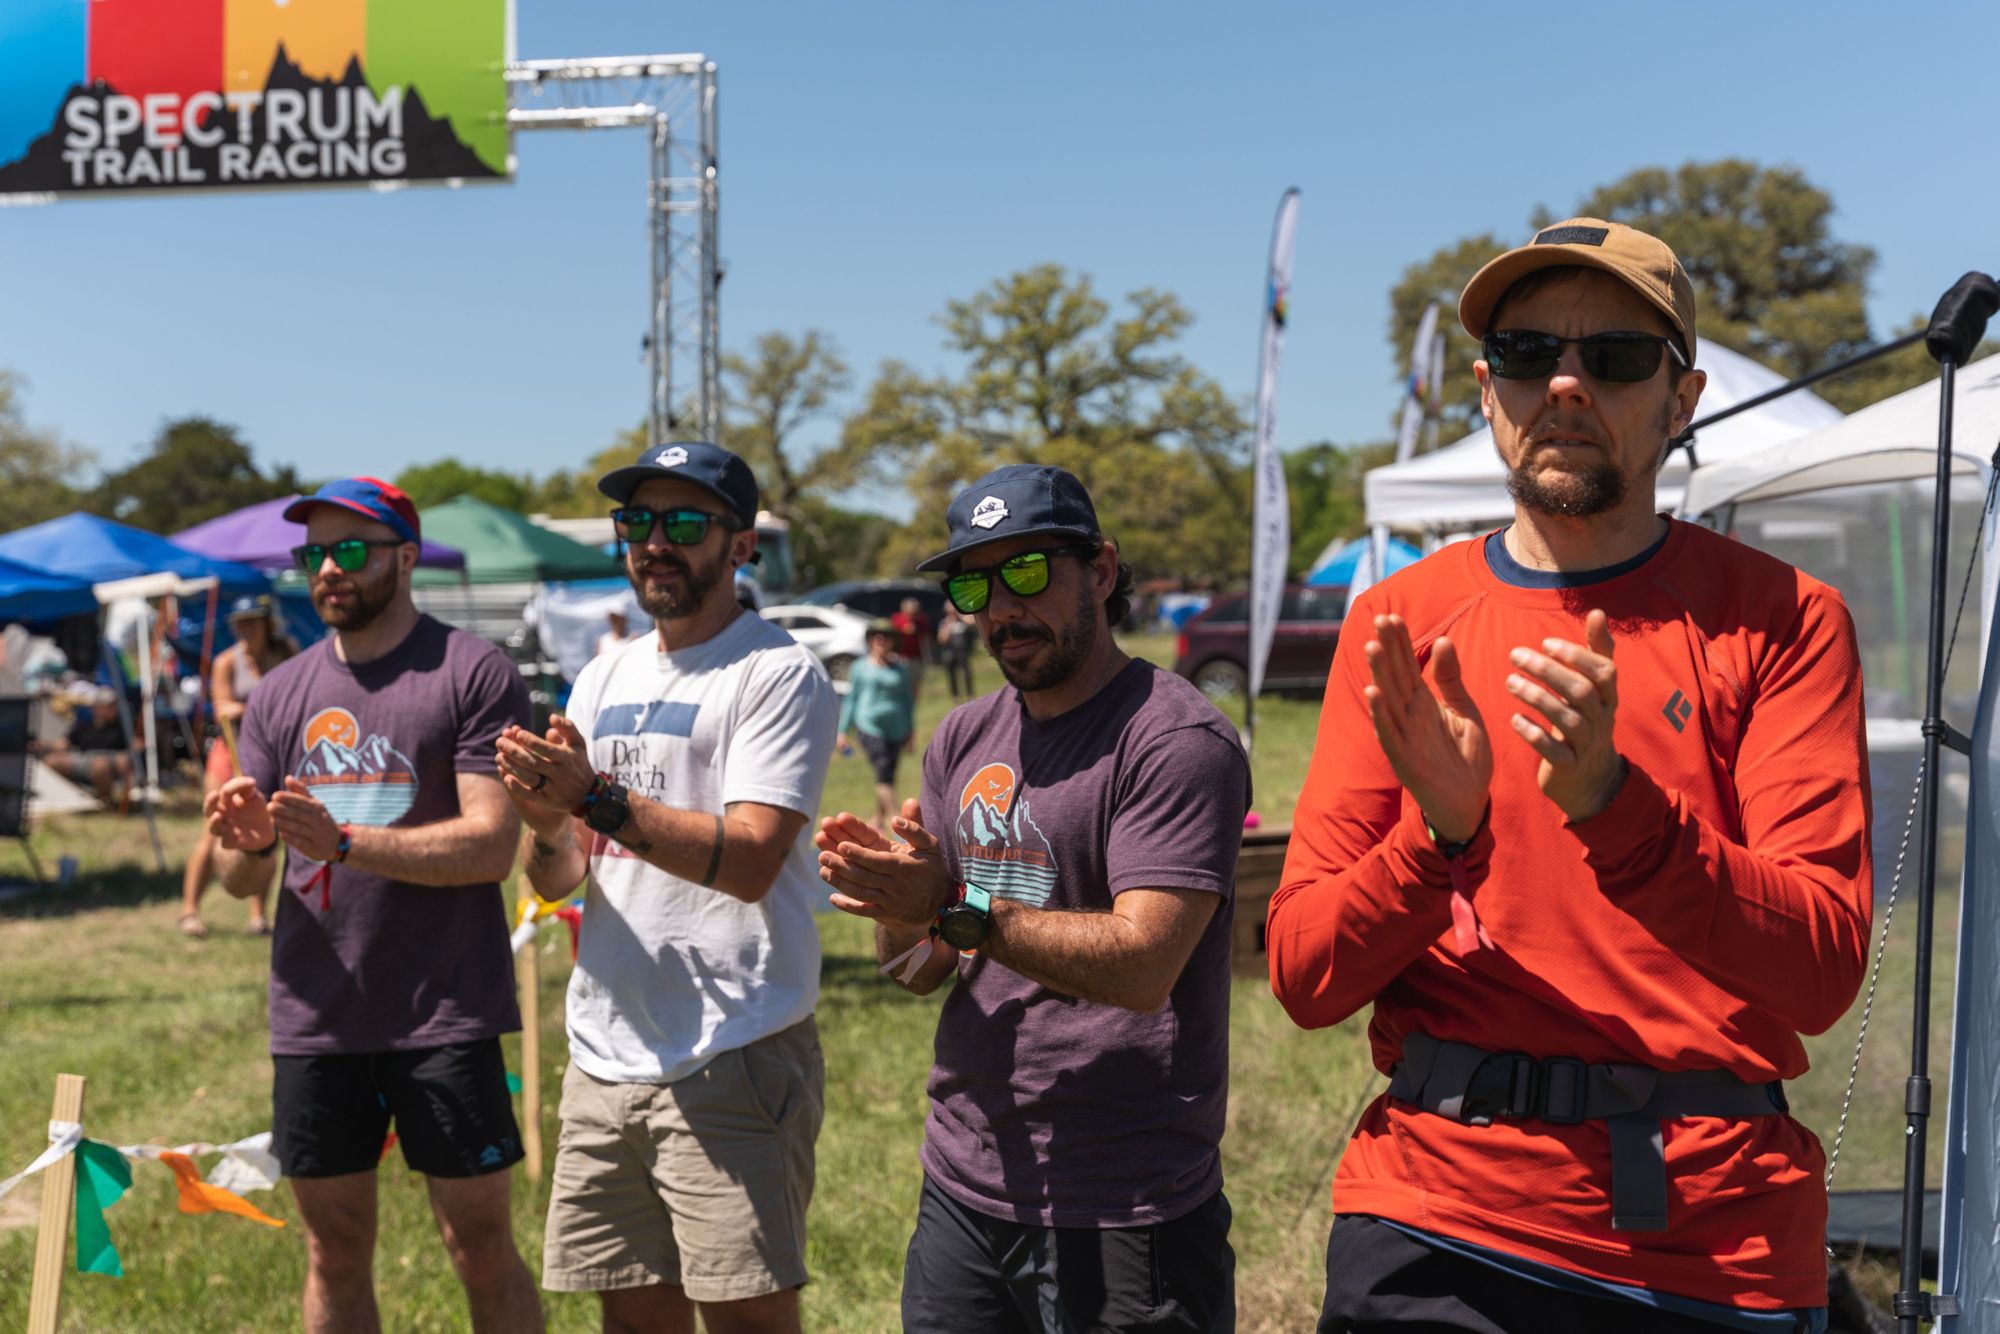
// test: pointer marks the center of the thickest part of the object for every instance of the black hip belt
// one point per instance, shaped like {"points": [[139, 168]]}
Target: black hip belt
{"points": [[1472, 1085]]}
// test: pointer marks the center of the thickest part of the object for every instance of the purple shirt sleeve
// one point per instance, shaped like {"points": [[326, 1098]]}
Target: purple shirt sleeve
{"points": [[1179, 825], [495, 698]]}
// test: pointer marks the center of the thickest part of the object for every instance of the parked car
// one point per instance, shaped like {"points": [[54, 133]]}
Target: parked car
{"points": [[879, 597], [1213, 650], [835, 635]]}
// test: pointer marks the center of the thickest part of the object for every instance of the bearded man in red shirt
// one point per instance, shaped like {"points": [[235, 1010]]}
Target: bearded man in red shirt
{"points": [[1587, 824]]}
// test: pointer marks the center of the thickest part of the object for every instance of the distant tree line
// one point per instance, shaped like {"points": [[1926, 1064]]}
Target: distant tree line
{"points": [[1043, 368]]}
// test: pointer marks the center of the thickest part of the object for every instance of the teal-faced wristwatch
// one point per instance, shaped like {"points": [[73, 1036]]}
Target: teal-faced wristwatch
{"points": [[964, 925]]}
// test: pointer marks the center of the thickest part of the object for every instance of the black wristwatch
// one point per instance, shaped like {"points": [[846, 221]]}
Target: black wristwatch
{"points": [[610, 811], [1453, 851], [964, 925]]}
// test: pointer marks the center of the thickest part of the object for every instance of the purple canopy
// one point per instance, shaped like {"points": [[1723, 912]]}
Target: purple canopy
{"points": [[260, 535]]}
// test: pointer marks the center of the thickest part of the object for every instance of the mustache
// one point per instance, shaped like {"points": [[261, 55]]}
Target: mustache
{"points": [[654, 564], [1002, 635], [1547, 431]]}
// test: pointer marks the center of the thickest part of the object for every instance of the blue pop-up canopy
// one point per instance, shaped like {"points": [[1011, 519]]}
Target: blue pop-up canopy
{"points": [[29, 594], [1336, 567], [95, 550]]}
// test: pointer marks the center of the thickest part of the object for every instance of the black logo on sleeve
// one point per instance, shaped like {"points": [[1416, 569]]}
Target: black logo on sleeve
{"points": [[1679, 709]]}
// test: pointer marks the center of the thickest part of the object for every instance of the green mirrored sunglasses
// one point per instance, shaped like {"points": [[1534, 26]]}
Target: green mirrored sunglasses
{"points": [[683, 528], [1025, 575], [350, 554]]}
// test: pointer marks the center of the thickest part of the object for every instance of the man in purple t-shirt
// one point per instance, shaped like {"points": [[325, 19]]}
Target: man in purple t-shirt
{"points": [[370, 757], [1072, 864]]}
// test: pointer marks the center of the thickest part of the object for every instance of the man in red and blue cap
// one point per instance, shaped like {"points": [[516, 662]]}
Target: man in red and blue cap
{"points": [[370, 758]]}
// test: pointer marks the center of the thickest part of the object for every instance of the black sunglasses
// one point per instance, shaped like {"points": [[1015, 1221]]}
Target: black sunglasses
{"points": [[1623, 357], [1025, 575], [683, 528], [350, 554]]}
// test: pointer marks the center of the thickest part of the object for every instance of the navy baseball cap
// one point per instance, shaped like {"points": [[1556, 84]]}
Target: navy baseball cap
{"points": [[710, 467], [370, 497], [1019, 500], [245, 608]]}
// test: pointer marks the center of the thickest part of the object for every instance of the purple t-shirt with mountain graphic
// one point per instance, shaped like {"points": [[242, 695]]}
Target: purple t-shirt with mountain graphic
{"points": [[385, 965], [1047, 1109]]}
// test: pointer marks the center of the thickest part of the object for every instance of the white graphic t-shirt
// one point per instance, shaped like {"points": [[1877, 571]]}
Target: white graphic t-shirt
{"points": [[670, 975]]}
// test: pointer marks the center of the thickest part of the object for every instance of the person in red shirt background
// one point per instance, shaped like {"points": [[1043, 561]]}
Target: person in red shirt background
{"points": [[913, 637], [1587, 824]]}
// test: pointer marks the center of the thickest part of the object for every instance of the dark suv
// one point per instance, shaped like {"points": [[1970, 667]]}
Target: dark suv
{"points": [[1214, 647], [879, 597]]}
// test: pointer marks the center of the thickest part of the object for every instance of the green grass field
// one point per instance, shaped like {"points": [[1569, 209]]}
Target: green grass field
{"points": [[171, 1034]]}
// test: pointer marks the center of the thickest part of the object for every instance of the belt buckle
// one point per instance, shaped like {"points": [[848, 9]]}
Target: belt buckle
{"points": [[1562, 1075], [1502, 1085]]}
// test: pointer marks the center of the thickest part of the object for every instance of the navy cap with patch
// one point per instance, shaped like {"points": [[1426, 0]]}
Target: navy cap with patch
{"points": [[1019, 500], [710, 467]]}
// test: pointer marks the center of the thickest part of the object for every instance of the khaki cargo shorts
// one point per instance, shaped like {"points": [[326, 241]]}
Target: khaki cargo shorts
{"points": [[703, 1182]]}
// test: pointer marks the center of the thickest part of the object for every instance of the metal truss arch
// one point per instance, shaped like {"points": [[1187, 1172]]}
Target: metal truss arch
{"points": [[673, 97]]}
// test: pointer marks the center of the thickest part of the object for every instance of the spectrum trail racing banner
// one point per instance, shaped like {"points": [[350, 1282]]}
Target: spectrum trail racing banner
{"points": [[101, 96]]}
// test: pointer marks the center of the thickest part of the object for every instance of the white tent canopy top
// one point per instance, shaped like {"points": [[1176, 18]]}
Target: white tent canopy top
{"points": [[1893, 440], [1464, 483]]}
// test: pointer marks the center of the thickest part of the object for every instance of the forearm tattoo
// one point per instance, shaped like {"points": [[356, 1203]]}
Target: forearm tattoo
{"points": [[714, 857], [628, 838]]}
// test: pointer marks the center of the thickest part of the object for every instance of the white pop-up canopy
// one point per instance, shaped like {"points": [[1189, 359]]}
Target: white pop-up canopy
{"points": [[1890, 441], [1464, 484]]}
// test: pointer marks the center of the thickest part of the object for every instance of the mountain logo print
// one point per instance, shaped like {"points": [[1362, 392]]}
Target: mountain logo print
{"points": [[359, 781], [1000, 847]]}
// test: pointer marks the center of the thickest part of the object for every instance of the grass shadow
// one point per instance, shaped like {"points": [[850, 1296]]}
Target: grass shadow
{"points": [[116, 864], [128, 886]]}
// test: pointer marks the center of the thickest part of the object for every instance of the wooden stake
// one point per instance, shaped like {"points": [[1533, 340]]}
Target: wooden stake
{"points": [[528, 974], [58, 1200], [229, 740]]}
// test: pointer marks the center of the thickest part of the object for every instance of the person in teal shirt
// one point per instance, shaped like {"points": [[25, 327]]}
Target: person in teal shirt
{"points": [[881, 710]]}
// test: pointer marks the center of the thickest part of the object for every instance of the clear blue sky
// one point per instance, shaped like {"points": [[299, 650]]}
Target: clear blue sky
{"points": [[878, 159]]}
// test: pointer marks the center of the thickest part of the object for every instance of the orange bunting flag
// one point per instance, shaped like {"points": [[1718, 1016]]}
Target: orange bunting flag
{"points": [[198, 1197]]}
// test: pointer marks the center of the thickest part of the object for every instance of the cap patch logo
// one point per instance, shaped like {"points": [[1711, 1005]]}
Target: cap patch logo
{"points": [[989, 512], [1573, 236], [671, 458]]}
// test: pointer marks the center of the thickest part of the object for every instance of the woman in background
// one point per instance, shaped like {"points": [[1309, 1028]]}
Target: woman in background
{"points": [[880, 708], [237, 671]]}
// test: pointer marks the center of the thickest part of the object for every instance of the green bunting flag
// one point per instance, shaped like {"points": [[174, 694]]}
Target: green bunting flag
{"points": [[102, 1178]]}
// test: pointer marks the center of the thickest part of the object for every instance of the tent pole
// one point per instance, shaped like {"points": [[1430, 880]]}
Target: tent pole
{"points": [[1955, 329], [170, 609], [1912, 1306], [146, 725], [125, 724]]}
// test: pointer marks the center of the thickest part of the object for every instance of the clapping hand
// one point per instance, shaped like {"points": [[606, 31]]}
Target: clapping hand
{"points": [[1574, 690], [305, 824], [903, 883], [1434, 738], [547, 776], [238, 817]]}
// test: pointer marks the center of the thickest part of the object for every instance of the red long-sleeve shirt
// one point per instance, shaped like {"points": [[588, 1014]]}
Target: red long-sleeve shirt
{"points": [[1718, 908]]}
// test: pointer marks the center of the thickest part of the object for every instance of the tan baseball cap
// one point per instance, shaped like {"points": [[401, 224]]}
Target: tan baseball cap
{"points": [[1644, 263]]}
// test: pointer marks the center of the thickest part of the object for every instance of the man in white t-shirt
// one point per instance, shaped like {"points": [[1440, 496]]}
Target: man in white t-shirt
{"points": [[681, 782]]}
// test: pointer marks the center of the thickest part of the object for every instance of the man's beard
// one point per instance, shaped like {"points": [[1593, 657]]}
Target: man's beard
{"points": [[1573, 494], [369, 601], [1071, 642], [1578, 493], [668, 604]]}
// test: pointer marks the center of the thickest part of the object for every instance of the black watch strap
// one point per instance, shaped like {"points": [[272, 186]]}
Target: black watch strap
{"points": [[1452, 851]]}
